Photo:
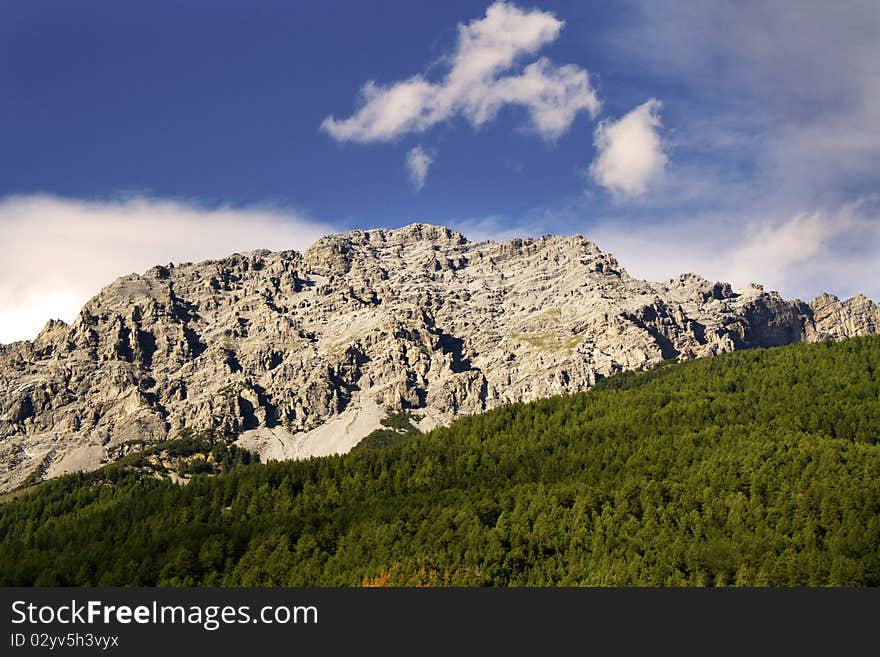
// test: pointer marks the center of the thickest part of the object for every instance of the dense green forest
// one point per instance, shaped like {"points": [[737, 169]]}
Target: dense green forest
{"points": [[753, 468]]}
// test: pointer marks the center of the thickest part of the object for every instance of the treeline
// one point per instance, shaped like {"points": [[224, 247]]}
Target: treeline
{"points": [[752, 468]]}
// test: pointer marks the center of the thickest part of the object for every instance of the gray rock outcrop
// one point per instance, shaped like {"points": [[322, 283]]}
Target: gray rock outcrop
{"points": [[303, 354]]}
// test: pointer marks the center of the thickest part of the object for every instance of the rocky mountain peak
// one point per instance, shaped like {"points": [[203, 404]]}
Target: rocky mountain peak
{"points": [[304, 354]]}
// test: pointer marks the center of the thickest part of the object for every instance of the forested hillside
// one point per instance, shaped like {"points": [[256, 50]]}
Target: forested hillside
{"points": [[753, 468]]}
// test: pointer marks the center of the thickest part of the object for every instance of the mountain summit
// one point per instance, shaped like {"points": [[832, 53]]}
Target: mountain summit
{"points": [[304, 354]]}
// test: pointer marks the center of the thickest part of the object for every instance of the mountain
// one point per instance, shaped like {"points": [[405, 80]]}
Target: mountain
{"points": [[754, 468], [305, 354]]}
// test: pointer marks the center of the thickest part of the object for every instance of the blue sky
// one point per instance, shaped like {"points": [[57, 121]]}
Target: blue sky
{"points": [[739, 140]]}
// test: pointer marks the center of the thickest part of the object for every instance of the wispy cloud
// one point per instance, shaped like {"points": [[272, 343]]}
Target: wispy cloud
{"points": [[787, 93], [630, 151], [478, 83], [834, 249], [59, 252], [418, 161]]}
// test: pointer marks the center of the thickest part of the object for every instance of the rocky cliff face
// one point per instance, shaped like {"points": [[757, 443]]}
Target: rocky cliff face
{"points": [[303, 354]]}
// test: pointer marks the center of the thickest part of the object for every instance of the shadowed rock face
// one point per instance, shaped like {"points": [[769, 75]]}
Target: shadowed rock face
{"points": [[304, 353]]}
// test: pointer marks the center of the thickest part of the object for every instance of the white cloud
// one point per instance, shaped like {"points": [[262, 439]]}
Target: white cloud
{"points": [[58, 253], [630, 151], [773, 252], [475, 87], [418, 161], [800, 254]]}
